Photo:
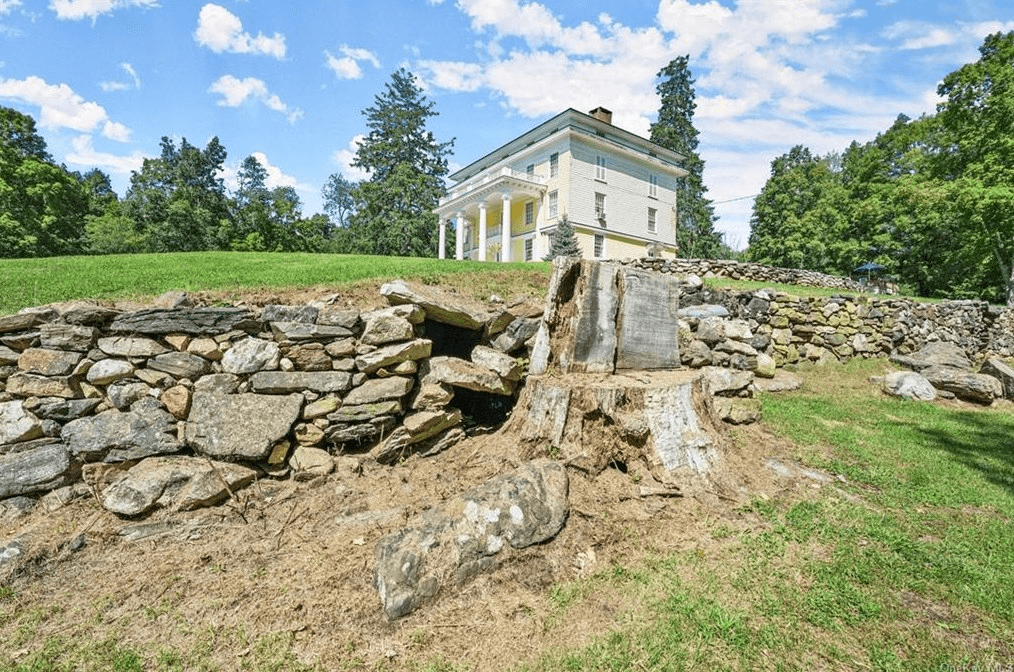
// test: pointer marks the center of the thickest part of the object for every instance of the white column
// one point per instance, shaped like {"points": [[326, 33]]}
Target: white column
{"points": [[459, 236], [482, 231], [537, 245], [442, 245], [505, 228]]}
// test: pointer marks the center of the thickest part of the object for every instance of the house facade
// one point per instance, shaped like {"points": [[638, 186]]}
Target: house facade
{"points": [[617, 190]]}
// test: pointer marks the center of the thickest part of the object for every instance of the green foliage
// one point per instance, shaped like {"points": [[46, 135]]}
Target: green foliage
{"points": [[393, 209], [563, 242], [674, 129]]}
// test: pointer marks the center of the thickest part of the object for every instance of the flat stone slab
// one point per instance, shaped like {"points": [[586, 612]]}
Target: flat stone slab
{"points": [[39, 470], [18, 424], [250, 356], [47, 362], [115, 436], [183, 321], [468, 375], [281, 382], [976, 387], [440, 305], [131, 346], [392, 355], [450, 544], [240, 426], [177, 483], [379, 389]]}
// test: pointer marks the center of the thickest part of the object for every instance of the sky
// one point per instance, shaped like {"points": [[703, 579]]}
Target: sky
{"points": [[287, 82]]}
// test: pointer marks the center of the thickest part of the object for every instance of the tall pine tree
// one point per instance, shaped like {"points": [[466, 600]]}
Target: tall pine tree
{"points": [[394, 207], [674, 129]]}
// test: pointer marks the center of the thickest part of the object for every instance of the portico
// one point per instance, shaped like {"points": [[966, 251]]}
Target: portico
{"points": [[493, 213]]}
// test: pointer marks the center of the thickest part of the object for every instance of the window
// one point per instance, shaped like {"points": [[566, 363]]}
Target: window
{"points": [[600, 168], [529, 214], [600, 208], [554, 165], [554, 203], [653, 186], [529, 248], [530, 170], [651, 220], [600, 245]]}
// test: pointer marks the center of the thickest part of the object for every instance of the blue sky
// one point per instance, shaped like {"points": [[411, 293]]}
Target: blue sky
{"points": [[286, 82]]}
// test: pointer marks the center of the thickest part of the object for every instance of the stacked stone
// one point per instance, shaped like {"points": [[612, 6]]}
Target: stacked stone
{"points": [[739, 270], [178, 406]]}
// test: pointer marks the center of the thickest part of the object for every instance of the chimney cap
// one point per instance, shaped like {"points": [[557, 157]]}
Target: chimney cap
{"points": [[602, 114]]}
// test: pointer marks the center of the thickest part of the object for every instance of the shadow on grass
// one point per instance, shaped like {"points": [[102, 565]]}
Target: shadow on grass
{"points": [[980, 441]]}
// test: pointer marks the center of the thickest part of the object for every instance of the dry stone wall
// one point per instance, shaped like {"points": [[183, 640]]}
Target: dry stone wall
{"points": [[177, 407]]}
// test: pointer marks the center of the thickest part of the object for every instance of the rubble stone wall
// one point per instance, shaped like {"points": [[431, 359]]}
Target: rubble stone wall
{"points": [[743, 270]]}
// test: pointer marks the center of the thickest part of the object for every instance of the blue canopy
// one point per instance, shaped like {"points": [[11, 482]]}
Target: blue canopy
{"points": [[869, 266]]}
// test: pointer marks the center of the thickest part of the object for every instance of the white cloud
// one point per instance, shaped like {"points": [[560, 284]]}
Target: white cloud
{"points": [[276, 177], [347, 65], [235, 92], [220, 30], [344, 157], [452, 75], [76, 10], [85, 154], [134, 83], [7, 6], [60, 107]]}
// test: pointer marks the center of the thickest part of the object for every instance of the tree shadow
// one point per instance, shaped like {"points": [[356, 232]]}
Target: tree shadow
{"points": [[984, 443]]}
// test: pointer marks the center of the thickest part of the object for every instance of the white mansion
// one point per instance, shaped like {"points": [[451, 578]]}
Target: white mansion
{"points": [[617, 189]]}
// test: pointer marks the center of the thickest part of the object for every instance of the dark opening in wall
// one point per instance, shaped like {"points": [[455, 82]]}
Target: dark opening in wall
{"points": [[482, 408], [451, 341]]}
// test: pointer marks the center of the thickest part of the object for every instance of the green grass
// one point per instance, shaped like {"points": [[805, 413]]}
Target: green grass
{"points": [[905, 566], [33, 282]]}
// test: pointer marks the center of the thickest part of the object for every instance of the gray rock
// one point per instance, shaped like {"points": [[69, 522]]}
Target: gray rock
{"points": [[976, 387], [31, 385], [272, 313], [19, 322], [416, 429], [117, 436], [240, 426], [109, 371], [334, 316], [122, 394], [311, 461], [459, 373], [362, 432], [646, 334], [86, 313], [431, 396], [766, 366], [908, 385], [63, 410], [502, 364], [183, 321], [282, 382], [726, 383], [301, 331], [178, 483], [67, 337], [379, 389], [8, 357], [440, 305], [711, 330], [737, 411], [222, 383], [381, 329], [937, 353], [250, 356], [131, 346], [180, 365], [448, 545], [703, 312], [391, 355], [516, 334], [48, 362], [697, 354], [39, 470], [366, 412], [17, 424], [999, 369]]}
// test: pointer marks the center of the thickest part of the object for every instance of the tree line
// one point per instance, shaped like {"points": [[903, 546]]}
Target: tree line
{"points": [[929, 199]]}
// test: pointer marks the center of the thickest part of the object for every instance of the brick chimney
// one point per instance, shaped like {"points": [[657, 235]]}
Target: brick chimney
{"points": [[602, 114]]}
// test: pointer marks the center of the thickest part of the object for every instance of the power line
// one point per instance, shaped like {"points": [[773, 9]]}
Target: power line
{"points": [[731, 200]]}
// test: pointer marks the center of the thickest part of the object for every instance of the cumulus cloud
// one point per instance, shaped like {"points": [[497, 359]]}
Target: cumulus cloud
{"points": [[7, 6], [236, 91], [60, 107], [120, 85], [84, 154], [75, 10], [276, 177], [344, 157], [220, 30], [347, 64]]}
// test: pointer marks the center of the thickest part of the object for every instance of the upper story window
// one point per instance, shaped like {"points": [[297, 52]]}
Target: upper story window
{"points": [[554, 203], [600, 246], [600, 168], [554, 165], [653, 186], [600, 208], [529, 249], [529, 214], [652, 225], [530, 170]]}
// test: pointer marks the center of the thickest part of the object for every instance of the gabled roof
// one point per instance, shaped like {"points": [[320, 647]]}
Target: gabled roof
{"points": [[577, 122]]}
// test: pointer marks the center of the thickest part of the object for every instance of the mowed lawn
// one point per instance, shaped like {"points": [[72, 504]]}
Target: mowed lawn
{"points": [[33, 282]]}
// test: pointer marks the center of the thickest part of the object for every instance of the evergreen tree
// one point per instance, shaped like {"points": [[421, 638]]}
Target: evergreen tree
{"points": [[564, 241], [674, 130], [394, 207]]}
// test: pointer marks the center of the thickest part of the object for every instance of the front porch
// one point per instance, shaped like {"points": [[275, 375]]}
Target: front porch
{"points": [[498, 216]]}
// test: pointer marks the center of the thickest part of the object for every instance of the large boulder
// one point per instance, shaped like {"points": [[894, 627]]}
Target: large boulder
{"points": [[240, 426], [158, 321], [115, 436], [440, 305], [976, 387], [468, 535], [1002, 371], [937, 353], [17, 424], [909, 385], [468, 375], [178, 483]]}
